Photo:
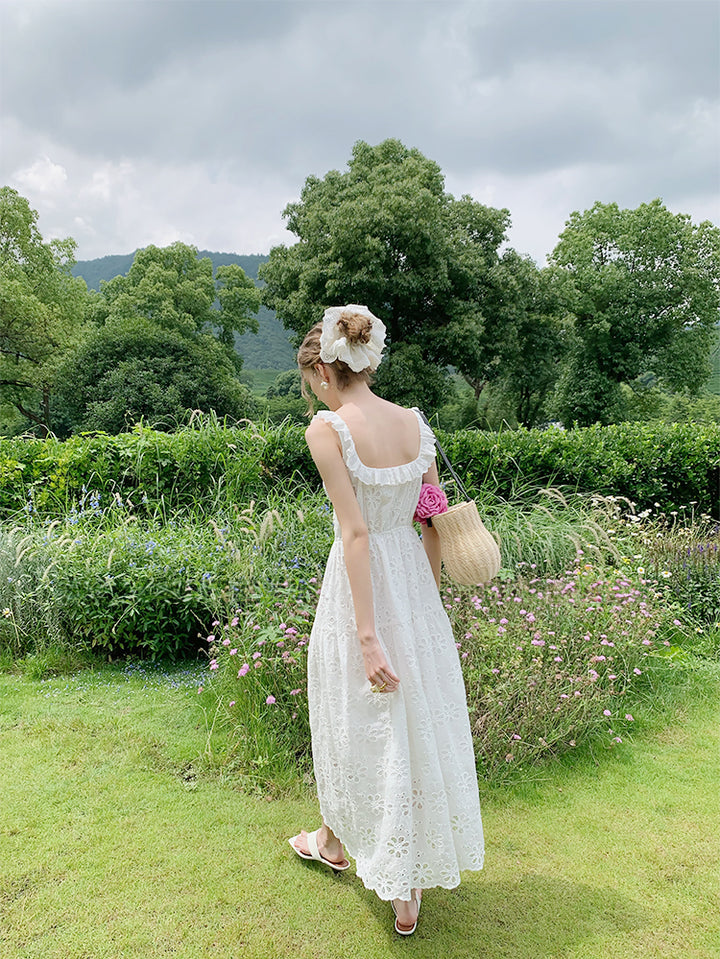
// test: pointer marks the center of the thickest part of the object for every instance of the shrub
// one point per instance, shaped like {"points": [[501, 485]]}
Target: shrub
{"points": [[550, 663], [209, 463], [192, 468], [666, 464], [257, 692], [554, 662], [680, 554]]}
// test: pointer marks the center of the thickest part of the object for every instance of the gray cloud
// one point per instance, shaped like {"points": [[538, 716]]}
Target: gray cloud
{"points": [[185, 110]]}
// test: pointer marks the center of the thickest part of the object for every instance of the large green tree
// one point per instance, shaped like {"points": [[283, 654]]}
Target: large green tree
{"points": [[132, 368], [173, 288], [162, 344], [42, 310], [386, 234], [644, 288], [538, 337]]}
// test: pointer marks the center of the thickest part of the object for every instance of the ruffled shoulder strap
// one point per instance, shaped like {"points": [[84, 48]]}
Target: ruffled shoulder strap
{"points": [[427, 441], [382, 474]]}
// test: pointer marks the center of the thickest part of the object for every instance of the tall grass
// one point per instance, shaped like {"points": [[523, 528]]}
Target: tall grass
{"points": [[546, 528], [548, 651]]}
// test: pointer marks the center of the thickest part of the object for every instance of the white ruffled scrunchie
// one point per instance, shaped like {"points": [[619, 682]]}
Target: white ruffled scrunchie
{"points": [[358, 356]]}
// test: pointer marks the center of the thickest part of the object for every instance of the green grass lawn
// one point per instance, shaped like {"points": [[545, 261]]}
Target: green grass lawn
{"points": [[117, 839]]}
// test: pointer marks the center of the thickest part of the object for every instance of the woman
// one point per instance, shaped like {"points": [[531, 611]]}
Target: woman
{"points": [[391, 739]]}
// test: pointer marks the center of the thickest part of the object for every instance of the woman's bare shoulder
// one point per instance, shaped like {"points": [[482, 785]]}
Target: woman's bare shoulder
{"points": [[378, 410], [320, 432]]}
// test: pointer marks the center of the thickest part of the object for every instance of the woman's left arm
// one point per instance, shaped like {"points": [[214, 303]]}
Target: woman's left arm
{"points": [[323, 444]]}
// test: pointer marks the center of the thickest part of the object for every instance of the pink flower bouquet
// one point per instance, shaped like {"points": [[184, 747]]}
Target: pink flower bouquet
{"points": [[432, 501]]}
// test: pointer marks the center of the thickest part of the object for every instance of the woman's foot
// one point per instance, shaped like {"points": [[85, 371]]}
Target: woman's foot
{"points": [[407, 912], [329, 847]]}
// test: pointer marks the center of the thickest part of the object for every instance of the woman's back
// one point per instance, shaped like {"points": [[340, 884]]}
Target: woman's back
{"points": [[384, 434], [386, 477]]}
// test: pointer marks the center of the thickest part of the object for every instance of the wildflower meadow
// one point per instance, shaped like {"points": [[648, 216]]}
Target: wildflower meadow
{"points": [[598, 607]]}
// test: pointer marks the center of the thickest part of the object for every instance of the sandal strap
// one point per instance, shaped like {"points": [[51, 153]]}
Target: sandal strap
{"points": [[313, 845]]}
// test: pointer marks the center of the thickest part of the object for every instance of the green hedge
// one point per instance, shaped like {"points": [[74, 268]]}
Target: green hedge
{"points": [[202, 465], [198, 467], [672, 465]]}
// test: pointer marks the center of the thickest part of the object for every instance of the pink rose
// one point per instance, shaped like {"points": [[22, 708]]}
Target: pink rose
{"points": [[431, 501]]}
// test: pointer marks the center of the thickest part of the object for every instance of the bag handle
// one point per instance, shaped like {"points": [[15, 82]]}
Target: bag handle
{"points": [[442, 453]]}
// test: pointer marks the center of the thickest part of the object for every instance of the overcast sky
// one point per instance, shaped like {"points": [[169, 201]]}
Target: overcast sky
{"points": [[127, 123]]}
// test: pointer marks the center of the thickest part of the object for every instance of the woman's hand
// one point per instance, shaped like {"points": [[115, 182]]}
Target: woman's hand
{"points": [[377, 669]]}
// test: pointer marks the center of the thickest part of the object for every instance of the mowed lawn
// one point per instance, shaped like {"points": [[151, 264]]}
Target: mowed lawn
{"points": [[116, 840]]}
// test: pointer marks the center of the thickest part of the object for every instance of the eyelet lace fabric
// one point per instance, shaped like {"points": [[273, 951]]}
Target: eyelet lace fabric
{"points": [[395, 772]]}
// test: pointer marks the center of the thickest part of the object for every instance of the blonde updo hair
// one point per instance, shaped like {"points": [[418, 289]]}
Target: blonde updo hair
{"points": [[356, 328]]}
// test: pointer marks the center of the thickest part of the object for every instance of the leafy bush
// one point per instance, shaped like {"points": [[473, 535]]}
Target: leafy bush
{"points": [[257, 692], [192, 468], [661, 465], [110, 579], [554, 662], [680, 555], [208, 464], [550, 664]]}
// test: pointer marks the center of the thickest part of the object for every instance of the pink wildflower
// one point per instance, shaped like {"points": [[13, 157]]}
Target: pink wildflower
{"points": [[270, 701]]}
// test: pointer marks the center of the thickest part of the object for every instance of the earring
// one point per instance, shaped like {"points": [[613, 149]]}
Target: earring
{"points": [[324, 384]]}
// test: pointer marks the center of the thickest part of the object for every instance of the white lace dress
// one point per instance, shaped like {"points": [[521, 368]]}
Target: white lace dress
{"points": [[395, 772]]}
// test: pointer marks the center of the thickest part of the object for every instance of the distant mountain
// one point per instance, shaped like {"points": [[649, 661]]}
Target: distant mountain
{"points": [[270, 349]]}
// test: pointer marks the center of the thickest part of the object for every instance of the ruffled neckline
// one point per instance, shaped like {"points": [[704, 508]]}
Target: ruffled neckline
{"points": [[382, 474]]}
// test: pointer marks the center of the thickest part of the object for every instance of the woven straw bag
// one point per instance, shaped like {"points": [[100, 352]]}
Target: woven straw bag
{"points": [[470, 553]]}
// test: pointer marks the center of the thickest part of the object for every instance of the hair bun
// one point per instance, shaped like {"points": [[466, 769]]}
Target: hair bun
{"points": [[355, 327]]}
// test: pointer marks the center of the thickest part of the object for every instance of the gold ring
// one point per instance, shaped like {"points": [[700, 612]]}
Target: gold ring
{"points": [[383, 686]]}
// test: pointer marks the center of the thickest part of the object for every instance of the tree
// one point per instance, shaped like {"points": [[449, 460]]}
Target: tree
{"points": [[162, 346], [538, 337], [284, 400], [133, 368], [42, 309], [644, 288], [174, 289], [384, 233]]}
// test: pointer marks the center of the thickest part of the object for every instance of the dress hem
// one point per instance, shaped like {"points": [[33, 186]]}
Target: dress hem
{"points": [[406, 891]]}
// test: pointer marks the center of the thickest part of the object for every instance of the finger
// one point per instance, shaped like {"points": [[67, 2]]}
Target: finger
{"points": [[389, 676]]}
